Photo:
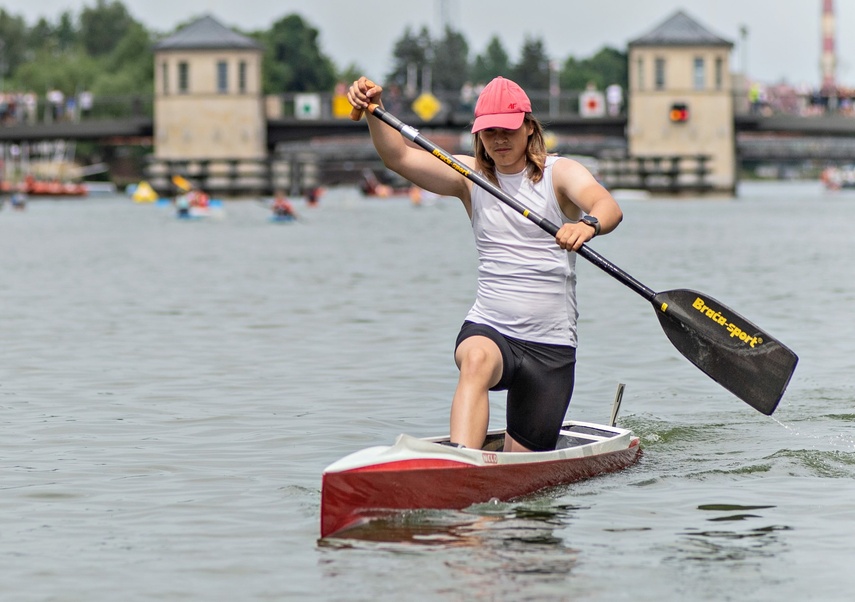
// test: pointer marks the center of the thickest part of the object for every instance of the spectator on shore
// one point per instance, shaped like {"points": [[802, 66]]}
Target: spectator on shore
{"points": [[56, 101]]}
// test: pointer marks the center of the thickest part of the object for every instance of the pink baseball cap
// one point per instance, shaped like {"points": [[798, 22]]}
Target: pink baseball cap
{"points": [[502, 104]]}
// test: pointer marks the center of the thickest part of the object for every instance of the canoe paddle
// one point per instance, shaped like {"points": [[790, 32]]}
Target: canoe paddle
{"points": [[734, 352]]}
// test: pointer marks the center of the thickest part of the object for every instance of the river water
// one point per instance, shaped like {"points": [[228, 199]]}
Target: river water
{"points": [[171, 391]]}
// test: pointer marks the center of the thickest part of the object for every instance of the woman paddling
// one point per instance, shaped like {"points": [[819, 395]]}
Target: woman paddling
{"points": [[520, 335]]}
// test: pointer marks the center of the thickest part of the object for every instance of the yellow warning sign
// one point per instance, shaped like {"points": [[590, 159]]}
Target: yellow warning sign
{"points": [[340, 106], [427, 106]]}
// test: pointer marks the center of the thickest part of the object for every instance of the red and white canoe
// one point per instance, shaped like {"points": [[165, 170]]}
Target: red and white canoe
{"points": [[421, 473]]}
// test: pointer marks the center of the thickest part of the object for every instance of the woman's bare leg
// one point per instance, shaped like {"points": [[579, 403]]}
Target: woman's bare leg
{"points": [[480, 363]]}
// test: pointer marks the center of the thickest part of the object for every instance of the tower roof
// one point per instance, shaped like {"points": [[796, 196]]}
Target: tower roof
{"points": [[206, 33], [680, 30]]}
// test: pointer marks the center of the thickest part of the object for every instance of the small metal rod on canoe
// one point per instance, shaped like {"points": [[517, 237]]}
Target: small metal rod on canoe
{"points": [[740, 356], [616, 404]]}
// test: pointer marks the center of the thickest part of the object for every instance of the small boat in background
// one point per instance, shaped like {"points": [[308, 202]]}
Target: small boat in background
{"points": [[414, 474], [195, 204], [838, 177], [282, 219], [372, 187], [313, 196], [192, 202], [194, 213], [18, 200], [46, 168], [283, 210], [33, 187]]}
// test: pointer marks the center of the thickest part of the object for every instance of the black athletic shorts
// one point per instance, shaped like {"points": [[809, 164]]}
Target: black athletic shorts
{"points": [[539, 379]]}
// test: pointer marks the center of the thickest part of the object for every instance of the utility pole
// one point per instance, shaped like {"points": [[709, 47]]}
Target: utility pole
{"points": [[444, 17], [829, 52], [743, 35]]}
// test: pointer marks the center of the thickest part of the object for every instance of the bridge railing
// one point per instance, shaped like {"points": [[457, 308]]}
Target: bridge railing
{"points": [[16, 109], [566, 103], [26, 109]]}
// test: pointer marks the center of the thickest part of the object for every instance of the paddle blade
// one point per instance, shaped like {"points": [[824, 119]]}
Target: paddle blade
{"points": [[737, 354]]}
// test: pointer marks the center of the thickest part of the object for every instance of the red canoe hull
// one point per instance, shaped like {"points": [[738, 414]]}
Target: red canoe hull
{"points": [[351, 497]]}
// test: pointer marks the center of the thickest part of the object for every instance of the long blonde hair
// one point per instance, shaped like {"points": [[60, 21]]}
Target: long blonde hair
{"points": [[535, 154]]}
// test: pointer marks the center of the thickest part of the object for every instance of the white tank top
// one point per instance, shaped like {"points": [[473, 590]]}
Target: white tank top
{"points": [[526, 282]]}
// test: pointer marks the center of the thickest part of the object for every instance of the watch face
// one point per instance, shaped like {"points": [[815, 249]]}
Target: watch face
{"points": [[593, 222]]}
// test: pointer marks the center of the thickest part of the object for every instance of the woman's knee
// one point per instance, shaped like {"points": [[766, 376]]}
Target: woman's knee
{"points": [[480, 359]]}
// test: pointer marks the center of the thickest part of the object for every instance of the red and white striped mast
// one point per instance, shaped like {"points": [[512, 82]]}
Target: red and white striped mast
{"points": [[829, 54]]}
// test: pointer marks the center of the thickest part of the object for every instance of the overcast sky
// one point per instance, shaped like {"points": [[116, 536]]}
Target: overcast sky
{"points": [[783, 42]]}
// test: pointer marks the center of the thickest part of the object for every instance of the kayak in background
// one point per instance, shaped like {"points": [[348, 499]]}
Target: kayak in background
{"points": [[195, 204], [372, 187], [283, 209], [33, 187]]}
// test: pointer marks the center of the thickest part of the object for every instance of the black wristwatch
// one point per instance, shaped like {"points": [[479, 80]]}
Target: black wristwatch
{"points": [[593, 222]]}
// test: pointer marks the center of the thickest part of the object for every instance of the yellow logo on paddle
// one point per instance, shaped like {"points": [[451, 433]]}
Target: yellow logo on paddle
{"points": [[733, 329], [439, 154]]}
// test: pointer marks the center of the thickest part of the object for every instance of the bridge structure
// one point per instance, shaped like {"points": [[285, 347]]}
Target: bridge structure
{"points": [[761, 138], [772, 137]]}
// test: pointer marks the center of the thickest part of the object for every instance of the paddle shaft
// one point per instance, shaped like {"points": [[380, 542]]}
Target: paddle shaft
{"points": [[598, 260]]}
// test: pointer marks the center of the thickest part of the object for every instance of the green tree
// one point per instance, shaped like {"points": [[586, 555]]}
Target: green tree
{"points": [[57, 61], [129, 68], [103, 26], [13, 43], [451, 61], [608, 66], [350, 73], [410, 55], [66, 72], [67, 34], [532, 70], [293, 61], [42, 36], [492, 63], [612, 65]]}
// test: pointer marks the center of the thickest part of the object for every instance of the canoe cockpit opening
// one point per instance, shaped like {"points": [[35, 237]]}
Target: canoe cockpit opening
{"points": [[566, 441], [584, 429], [494, 442], [571, 436], [578, 435]]}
